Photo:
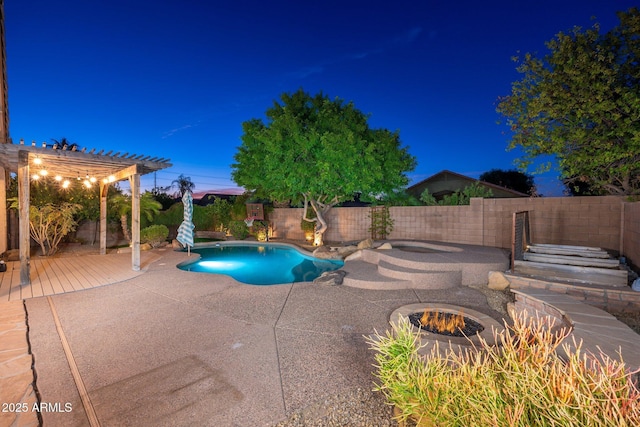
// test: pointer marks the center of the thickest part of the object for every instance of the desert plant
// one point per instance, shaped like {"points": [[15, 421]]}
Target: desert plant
{"points": [[154, 235], [238, 229], [48, 224], [520, 382]]}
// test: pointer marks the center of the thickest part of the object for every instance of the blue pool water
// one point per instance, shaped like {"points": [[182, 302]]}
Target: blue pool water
{"points": [[259, 264]]}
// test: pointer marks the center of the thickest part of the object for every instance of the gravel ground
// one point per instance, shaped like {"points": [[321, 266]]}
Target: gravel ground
{"points": [[356, 408]]}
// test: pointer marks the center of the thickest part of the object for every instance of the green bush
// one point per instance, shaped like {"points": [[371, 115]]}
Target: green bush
{"points": [[521, 382], [154, 235], [261, 230], [238, 229], [459, 197], [171, 217]]}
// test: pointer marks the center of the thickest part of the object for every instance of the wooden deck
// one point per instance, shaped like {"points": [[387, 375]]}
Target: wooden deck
{"points": [[60, 274]]}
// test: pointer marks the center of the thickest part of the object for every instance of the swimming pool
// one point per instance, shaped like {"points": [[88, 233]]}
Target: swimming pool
{"points": [[259, 263]]}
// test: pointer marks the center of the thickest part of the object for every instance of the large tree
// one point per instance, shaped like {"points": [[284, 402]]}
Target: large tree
{"points": [[512, 179], [581, 103], [319, 151]]}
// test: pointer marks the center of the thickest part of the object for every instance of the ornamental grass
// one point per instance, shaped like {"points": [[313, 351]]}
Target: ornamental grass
{"points": [[522, 381]]}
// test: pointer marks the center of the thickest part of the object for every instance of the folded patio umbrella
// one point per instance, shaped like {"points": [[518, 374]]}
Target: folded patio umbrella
{"points": [[185, 231]]}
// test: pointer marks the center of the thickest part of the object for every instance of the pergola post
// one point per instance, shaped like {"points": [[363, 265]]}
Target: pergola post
{"points": [[134, 182], [4, 224], [23, 203], [104, 189]]}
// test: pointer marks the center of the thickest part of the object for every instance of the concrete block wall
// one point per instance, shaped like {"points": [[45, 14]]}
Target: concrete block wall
{"points": [[584, 221], [452, 224], [631, 233]]}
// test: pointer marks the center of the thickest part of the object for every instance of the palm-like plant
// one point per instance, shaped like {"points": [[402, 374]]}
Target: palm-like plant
{"points": [[183, 183], [149, 208]]}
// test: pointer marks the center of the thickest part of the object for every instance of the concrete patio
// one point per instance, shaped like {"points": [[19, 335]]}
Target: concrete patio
{"points": [[168, 347]]}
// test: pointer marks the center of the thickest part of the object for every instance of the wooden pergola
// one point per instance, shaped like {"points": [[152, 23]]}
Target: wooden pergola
{"points": [[103, 168]]}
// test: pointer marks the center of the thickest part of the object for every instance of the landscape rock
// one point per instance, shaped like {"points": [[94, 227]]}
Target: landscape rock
{"points": [[175, 244], [385, 246], [345, 251], [497, 281], [146, 247], [323, 252], [353, 256], [331, 278], [366, 244]]}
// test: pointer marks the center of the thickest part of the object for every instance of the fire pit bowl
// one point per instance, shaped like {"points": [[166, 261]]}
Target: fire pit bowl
{"points": [[479, 324]]}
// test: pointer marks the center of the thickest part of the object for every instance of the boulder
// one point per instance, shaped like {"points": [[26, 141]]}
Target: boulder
{"points": [[331, 278], [353, 256], [175, 244], [497, 281], [323, 252], [146, 247], [345, 251], [385, 246], [366, 244]]}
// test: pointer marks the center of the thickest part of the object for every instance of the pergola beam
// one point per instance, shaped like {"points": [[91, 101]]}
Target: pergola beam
{"points": [[21, 159]]}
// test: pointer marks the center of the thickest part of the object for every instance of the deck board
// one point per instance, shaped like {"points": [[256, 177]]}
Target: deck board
{"points": [[61, 274]]}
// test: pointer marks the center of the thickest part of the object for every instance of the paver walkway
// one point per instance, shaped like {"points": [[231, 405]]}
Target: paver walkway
{"points": [[17, 396]]}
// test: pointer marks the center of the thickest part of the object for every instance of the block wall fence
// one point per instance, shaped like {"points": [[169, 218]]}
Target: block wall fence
{"points": [[608, 222]]}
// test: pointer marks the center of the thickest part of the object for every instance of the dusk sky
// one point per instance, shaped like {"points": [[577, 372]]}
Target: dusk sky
{"points": [[176, 79]]}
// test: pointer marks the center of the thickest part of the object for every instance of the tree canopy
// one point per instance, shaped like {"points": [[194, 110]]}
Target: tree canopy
{"points": [[511, 179], [321, 151], [581, 103]]}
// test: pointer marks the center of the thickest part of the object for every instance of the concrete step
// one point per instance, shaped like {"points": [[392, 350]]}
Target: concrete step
{"points": [[597, 276], [364, 275], [421, 279]]}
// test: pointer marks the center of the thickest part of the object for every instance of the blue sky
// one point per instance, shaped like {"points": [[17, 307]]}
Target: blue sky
{"points": [[176, 79]]}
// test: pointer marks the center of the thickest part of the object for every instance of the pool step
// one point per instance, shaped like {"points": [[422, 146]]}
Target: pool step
{"points": [[386, 275], [364, 275], [420, 278]]}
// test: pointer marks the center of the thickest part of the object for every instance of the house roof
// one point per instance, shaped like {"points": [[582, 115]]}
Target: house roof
{"points": [[456, 179]]}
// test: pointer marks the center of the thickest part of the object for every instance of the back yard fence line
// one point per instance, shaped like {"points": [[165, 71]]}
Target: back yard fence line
{"points": [[608, 222]]}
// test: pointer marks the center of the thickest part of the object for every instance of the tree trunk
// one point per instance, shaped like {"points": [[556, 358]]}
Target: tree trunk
{"points": [[321, 224], [321, 227], [125, 227]]}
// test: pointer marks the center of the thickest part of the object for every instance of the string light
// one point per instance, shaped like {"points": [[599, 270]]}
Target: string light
{"points": [[87, 182]]}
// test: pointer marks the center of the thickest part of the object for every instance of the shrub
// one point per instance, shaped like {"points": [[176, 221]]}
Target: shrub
{"points": [[238, 229], [48, 224], [154, 235], [381, 222], [520, 382], [459, 197], [261, 230]]}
